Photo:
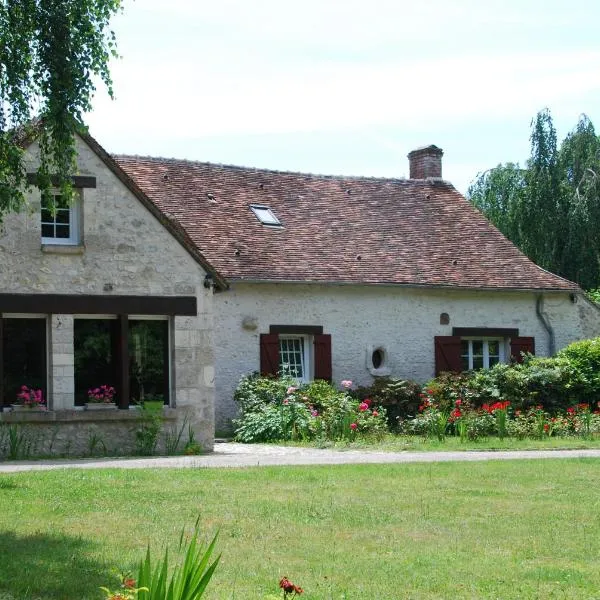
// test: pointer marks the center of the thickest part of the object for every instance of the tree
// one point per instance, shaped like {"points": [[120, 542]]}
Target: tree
{"points": [[51, 51], [551, 208]]}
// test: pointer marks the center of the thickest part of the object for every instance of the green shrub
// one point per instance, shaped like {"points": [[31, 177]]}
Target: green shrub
{"points": [[254, 391], [584, 358], [274, 410], [399, 397]]}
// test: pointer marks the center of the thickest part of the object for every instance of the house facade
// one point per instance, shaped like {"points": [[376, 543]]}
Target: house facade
{"points": [[354, 278], [168, 279], [106, 291]]}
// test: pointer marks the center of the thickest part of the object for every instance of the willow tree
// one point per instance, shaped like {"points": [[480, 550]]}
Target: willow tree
{"points": [[52, 52], [550, 208]]}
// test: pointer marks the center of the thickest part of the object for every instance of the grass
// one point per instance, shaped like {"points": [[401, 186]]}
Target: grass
{"points": [[400, 443], [514, 529]]}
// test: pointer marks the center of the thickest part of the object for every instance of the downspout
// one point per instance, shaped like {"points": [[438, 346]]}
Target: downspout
{"points": [[543, 317]]}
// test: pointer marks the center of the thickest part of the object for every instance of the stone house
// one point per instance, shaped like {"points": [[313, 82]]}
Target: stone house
{"points": [[172, 279]]}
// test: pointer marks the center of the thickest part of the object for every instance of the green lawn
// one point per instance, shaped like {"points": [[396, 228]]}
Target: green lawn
{"points": [[514, 529], [414, 443]]}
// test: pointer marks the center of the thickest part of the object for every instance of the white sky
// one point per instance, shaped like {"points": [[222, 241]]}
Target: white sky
{"points": [[347, 86]]}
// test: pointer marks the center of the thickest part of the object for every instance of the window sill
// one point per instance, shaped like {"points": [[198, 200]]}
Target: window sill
{"points": [[65, 249], [75, 415]]}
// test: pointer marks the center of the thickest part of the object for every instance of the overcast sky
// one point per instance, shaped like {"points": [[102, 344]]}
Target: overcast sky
{"points": [[347, 87]]}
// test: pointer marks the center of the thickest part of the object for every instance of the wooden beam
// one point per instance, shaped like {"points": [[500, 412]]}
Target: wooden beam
{"points": [[67, 304], [121, 357], [296, 329], [1, 364], [485, 332], [78, 181]]}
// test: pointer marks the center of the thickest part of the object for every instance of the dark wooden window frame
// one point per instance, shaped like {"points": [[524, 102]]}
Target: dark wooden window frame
{"points": [[122, 306], [485, 332], [2, 361], [81, 304]]}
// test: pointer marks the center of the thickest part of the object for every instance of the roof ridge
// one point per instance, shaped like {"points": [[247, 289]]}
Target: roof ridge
{"points": [[163, 159]]}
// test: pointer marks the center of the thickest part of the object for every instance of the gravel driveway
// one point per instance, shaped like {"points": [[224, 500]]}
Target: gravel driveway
{"points": [[257, 455]]}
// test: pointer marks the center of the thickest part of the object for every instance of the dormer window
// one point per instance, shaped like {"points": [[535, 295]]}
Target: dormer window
{"points": [[265, 215], [60, 220]]}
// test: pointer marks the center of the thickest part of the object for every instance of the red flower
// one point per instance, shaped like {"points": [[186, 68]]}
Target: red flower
{"points": [[363, 406], [129, 583], [353, 426], [375, 413], [458, 402], [571, 410], [546, 426], [583, 406]]}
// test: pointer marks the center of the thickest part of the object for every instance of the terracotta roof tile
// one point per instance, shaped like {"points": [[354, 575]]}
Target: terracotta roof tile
{"points": [[335, 229]]}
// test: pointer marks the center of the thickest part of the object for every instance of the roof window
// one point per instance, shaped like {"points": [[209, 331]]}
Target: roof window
{"points": [[265, 215]]}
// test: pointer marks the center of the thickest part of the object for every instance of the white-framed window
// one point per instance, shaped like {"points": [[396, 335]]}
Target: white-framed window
{"points": [[60, 221], [295, 357], [482, 353]]}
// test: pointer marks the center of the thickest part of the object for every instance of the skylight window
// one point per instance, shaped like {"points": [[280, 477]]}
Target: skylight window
{"points": [[265, 215]]}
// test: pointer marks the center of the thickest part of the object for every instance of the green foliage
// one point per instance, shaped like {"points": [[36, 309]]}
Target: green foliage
{"points": [[146, 436], [551, 208], [274, 410], [253, 391], [50, 53], [594, 295], [188, 581], [584, 358], [399, 397]]}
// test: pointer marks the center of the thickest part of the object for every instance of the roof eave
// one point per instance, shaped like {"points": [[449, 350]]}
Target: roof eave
{"points": [[448, 286]]}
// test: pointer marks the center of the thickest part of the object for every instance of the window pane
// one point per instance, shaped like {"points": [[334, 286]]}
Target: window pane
{"points": [[63, 231], [291, 356], [477, 362], [94, 341], [63, 216], [464, 360], [493, 360], [47, 216], [48, 231], [464, 348], [149, 360], [24, 351], [493, 348], [478, 347]]}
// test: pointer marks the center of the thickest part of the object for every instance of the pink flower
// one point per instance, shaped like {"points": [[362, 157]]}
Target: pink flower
{"points": [[291, 390], [346, 383], [286, 401], [353, 426], [315, 413], [375, 413], [363, 406]]}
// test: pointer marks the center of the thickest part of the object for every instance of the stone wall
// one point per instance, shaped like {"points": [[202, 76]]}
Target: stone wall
{"points": [[79, 433], [359, 318], [124, 250]]}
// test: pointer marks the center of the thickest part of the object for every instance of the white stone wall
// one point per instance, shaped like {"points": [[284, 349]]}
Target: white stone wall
{"points": [[125, 250], [359, 318]]}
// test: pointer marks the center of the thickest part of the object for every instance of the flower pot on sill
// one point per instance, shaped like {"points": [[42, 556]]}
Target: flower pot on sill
{"points": [[27, 409], [100, 406]]}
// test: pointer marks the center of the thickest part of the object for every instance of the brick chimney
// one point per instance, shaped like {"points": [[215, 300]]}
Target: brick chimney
{"points": [[425, 162]]}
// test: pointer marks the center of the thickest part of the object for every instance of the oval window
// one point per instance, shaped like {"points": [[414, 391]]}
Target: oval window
{"points": [[377, 358]]}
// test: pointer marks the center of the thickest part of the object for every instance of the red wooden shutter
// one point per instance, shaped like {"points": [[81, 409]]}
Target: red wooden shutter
{"points": [[521, 344], [269, 354], [323, 357], [447, 353]]}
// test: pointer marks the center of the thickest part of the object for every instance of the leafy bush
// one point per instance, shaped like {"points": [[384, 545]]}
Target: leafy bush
{"points": [[399, 397], [584, 359], [273, 410], [254, 391]]}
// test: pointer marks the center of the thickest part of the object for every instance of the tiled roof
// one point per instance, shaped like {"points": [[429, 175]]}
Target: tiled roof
{"points": [[335, 229]]}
